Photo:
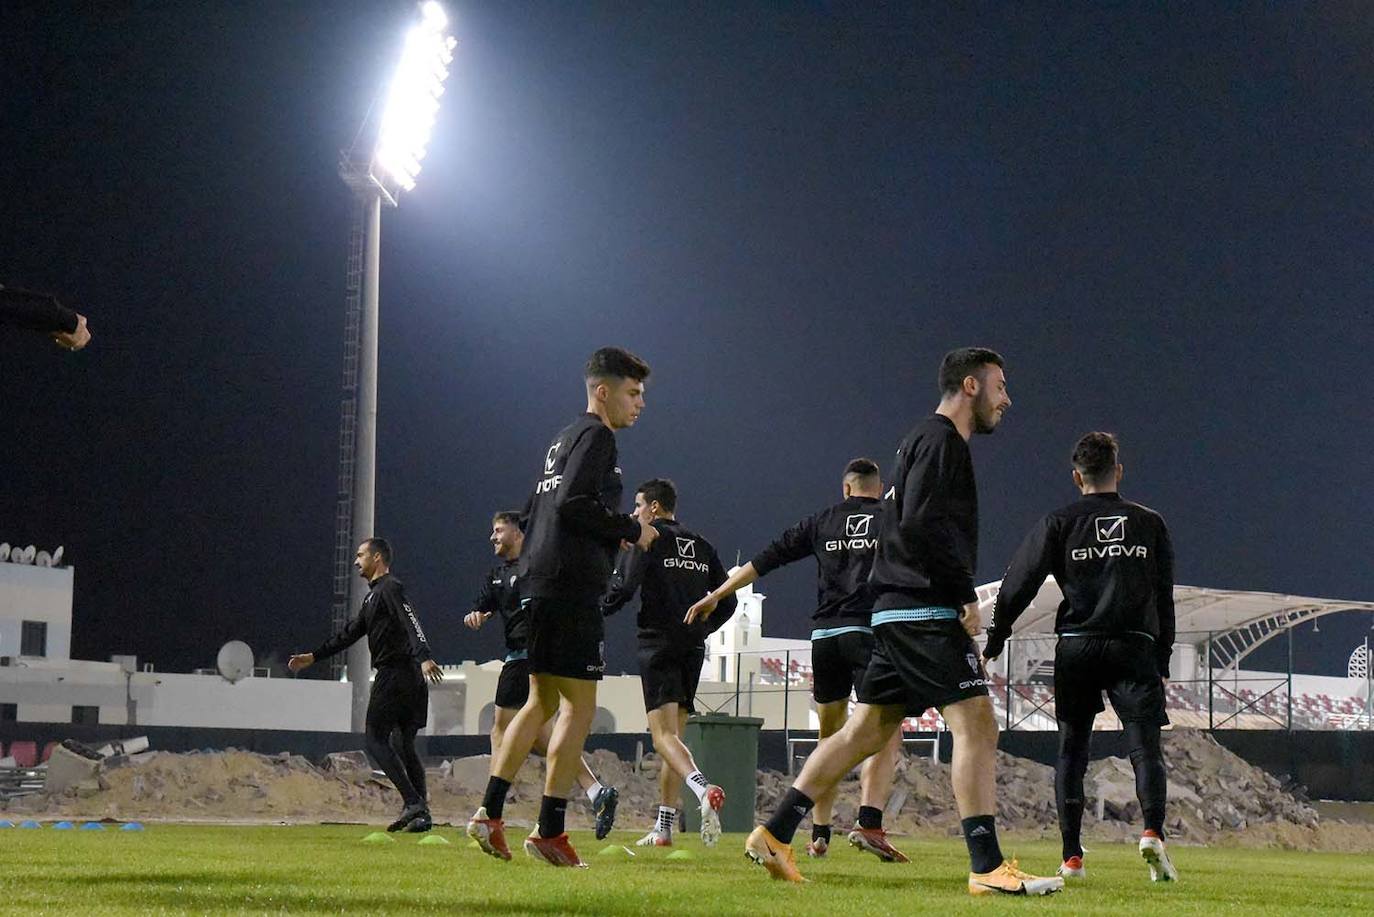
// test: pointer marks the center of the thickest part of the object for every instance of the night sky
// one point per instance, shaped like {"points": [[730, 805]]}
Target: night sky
{"points": [[1162, 218]]}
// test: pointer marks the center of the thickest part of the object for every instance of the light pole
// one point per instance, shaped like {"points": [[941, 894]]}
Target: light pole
{"points": [[412, 104]]}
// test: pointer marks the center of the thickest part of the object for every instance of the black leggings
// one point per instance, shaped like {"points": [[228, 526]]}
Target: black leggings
{"points": [[1147, 759], [396, 712], [394, 752]]}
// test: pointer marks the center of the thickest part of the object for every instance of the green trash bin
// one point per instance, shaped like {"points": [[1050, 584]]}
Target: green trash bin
{"points": [[726, 748]]}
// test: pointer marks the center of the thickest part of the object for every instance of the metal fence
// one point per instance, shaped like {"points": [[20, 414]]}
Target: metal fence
{"points": [[776, 685]]}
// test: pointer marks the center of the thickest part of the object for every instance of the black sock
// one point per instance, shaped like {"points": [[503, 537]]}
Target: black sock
{"points": [[1151, 781], [552, 812], [1075, 745], [980, 834], [820, 833], [869, 817], [495, 799], [794, 807]]}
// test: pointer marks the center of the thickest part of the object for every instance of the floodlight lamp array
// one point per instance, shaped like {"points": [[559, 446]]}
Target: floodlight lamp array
{"points": [[413, 99]]}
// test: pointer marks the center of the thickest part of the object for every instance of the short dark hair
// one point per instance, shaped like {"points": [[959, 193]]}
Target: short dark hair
{"points": [[964, 362], [662, 490], [1095, 455], [379, 546], [616, 363], [863, 467], [507, 516]]}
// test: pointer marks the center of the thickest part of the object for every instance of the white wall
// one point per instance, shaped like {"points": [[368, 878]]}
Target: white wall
{"points": [[29, 593], [252, 703]]}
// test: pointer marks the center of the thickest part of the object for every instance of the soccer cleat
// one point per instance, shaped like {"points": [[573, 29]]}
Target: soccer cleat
{"points": [[420, 824], [408, 815], [710, 814], [1007, 879], [1072, 868], [489, 833], [556, 851], [604, 807], [1157, 858], [818, 848], [772, 854], [655, 838], [874, 840]]}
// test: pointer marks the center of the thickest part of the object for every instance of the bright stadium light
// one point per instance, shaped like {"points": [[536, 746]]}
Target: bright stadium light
{"points": [[408, 115], [413, 101]]}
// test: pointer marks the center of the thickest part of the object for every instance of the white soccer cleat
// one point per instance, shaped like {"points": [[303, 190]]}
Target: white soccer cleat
{"points": [[1157, 858], [1072, 868], [654, 839], [710, 815]]}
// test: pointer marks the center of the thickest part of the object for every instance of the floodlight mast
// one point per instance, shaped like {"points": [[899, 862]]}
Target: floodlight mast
{"points": [[412, 104]]}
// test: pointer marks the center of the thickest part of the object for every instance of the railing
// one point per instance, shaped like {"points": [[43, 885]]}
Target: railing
{"points": [[776, 685]]}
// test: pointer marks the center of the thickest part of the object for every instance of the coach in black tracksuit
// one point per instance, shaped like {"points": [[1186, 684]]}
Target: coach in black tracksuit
{"points": [[1114, 563], [679, 567], [398, 706]]}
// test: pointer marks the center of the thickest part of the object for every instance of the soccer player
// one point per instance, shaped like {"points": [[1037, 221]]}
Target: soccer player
{"points": [[573, 529], [399, 704], [680, 566], [1113, 560], [500, 595], [925, 613], [842, 538]]}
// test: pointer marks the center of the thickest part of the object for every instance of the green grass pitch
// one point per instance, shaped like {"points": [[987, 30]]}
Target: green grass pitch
{"points": [[328, 869]]}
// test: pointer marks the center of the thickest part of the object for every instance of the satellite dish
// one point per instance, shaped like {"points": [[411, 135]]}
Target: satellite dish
{"points": [[44, 559], [57, 556], [235, 661], [4, 552], [27, 555]]}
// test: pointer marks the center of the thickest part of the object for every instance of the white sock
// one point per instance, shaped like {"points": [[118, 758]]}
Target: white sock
{"points": [[667, 817], [592, 791], [696, 782]]}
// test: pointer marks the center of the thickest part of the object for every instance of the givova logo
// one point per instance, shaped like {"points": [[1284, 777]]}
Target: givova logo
{"points": [[857, 525], [686, 547], [686, 557], [1110, 528], [549, 458]]}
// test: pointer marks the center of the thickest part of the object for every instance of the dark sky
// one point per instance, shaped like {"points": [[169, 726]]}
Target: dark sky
{"points": [[1162, 218]]}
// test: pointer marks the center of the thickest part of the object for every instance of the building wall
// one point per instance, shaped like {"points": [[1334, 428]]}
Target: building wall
{"points": [[29, 593]]}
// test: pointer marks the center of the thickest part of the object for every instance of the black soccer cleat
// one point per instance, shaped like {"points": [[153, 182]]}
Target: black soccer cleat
{"points": [[420, 824], [408, 815], [604, 807]]}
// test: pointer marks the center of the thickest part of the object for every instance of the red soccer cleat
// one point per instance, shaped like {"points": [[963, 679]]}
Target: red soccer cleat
{"points": [[556, 851], [489, 833]]}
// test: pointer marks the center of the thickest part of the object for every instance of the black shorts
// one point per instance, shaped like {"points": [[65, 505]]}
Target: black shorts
{"points": [[566, 638], [1122, 666], [399, 700], [922, 664], [669, 673], [838, 664], [513, 687]]}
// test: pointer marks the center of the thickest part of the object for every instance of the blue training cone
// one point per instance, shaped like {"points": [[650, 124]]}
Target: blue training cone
{"points": [[62, 826], [132, 826], [6, 823], [92, 826], [29, 823]]}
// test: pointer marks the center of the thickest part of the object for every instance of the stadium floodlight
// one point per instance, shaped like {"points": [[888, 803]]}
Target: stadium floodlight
{"points": [[413, 100], [402, 138]]}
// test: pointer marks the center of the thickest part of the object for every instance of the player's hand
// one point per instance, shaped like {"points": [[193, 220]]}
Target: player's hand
{"points": [[702, 610], [647, 534], [994, 648], [1164, 681], [431, 670], [300, 661], [475, 619], [972, 619], [74, 340]]}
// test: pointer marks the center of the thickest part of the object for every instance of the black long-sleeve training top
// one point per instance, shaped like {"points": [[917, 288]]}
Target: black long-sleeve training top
{"points": [[928, 541], [574, 526], [35, 311], [1115, 564], [501, 595], [386, 618], [843, 539], [677, 570]]}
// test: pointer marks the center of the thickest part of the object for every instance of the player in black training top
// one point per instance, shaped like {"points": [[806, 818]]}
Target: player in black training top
{"points": [[925, 615], [500, 595], [1114, 563], [572, 531], [842, 539], [680, 566], [398, 706]]}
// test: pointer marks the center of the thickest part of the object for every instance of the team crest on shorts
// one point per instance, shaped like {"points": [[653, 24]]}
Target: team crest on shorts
{"points": [[972, 661]]}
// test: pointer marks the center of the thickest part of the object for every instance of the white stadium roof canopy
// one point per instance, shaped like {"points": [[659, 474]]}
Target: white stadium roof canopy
{"points": [[1236, 621]]}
